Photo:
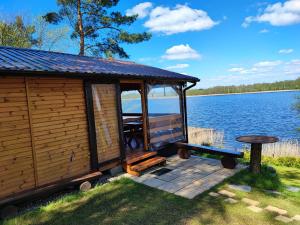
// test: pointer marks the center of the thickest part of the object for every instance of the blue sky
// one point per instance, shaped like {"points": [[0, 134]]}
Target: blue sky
{"points": [[221, 42]]}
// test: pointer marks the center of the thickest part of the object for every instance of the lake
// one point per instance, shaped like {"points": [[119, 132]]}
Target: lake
{"points": [[269, 113]]}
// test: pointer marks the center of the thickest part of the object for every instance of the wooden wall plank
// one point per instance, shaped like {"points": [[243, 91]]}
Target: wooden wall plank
{"points": [[16, 162], [59, 128]]}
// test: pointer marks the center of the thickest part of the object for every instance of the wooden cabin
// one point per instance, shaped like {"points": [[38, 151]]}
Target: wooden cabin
{"points": [[66, 118]]}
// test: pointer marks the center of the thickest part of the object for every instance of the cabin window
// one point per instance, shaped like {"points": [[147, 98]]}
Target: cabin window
{"points": [[165, 114], [131, 102]]}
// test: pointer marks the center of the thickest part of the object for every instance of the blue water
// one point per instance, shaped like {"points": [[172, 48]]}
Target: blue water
{"points": [[263, 113], [235, 115]]}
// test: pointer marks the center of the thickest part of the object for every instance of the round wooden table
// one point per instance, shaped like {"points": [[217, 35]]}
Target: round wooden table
{"points": [[256, 142]]}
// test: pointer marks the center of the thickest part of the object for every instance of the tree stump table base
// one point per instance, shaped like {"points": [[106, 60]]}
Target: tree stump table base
{"points": [[256, 142]]}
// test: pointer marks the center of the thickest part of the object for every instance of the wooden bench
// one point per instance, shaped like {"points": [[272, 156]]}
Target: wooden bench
{"points": [[229, 156]]}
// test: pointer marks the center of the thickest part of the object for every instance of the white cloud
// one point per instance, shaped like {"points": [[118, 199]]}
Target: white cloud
{"points": [[236, 69], [142, 10], [259, 67], [263, 31], [286, 51], [278, 14], [268, 63], [283, 71], [179, 52], [292, 67], [178, 66], [294, 62], [179, 19]]}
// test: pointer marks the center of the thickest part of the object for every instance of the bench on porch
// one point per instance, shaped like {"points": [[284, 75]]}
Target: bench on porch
{"points": [[229, 156]]}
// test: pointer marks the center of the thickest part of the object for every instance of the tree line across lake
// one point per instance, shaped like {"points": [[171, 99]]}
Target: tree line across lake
{"points": [[281, 85]]}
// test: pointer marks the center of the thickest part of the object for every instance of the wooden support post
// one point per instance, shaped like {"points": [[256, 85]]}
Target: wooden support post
{"points": [[255, 158], [185, 117], [145, 116], [120, 122], [91, 125], [182, 112]]}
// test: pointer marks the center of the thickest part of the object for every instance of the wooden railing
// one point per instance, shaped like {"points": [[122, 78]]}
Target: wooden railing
{"points": [[165, 129]]}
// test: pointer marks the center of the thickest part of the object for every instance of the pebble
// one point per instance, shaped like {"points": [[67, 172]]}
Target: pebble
{"points": [[296, 217], [283, 219], [250, 201], [271, 208], [254, 208], [293, 189], [214, 194], [231, 200], [226, 193], [243, 188]]}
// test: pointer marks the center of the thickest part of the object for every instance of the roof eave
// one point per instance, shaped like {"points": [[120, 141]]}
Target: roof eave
{"points": [[113, 76]]}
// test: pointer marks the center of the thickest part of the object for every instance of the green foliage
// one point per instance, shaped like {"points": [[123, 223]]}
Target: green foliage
{"points": [[282, 85], [277, 161], [48, 38], [17, 34], [99, 29]]}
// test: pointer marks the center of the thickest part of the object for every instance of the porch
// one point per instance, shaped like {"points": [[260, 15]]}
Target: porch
{"points": [[186, 177]]}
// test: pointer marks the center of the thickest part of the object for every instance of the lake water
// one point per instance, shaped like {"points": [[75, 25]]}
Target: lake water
{"points": [[261, 113], [235, 115]]}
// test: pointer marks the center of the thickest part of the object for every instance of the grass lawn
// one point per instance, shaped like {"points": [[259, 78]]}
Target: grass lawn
{"points": [[127, 202]]}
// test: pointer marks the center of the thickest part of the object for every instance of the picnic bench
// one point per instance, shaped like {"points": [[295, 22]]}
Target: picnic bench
{"points": [[229, 156]]}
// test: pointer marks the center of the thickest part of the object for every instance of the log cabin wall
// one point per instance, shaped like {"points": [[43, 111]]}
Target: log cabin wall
{"points": [[43, 132], [59, 128], [16, 159]]}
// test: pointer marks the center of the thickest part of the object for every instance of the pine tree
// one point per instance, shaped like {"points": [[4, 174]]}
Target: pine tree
{"points": [[100, 30], [17, 34]]}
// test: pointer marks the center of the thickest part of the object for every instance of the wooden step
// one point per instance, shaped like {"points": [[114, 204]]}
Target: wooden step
{"points": [[148, 163], [135, 157]]}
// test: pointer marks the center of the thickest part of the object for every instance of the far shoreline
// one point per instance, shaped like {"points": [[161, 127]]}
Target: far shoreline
{"points": [[241, 93]]}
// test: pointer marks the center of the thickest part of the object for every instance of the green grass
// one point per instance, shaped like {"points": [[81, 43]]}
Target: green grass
{"points": [[126, 202], [277, 161]]}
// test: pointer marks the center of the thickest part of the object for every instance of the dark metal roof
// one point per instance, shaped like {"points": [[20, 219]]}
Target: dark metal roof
{"points": [[37, 61]]}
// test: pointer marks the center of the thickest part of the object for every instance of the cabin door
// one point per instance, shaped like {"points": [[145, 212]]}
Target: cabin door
{"points": [[105, 109]]}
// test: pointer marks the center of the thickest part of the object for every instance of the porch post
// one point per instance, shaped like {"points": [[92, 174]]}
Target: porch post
{"points": [[145, 116], [120, 121], [185, 117], [91, 125]]}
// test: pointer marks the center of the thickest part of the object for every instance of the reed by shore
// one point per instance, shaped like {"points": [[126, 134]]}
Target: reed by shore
{"points": [[208, 136]]}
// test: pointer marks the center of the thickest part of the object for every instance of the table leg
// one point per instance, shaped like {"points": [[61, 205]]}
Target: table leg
{"points": [[255, 158]]}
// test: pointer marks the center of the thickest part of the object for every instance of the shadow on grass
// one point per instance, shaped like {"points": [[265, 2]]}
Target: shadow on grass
{"points": [[291, 175], [126, 202], [266, 180]]}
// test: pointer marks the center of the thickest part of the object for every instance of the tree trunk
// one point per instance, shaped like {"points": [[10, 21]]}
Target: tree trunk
{"points": [[255, 158], [80, 27]]}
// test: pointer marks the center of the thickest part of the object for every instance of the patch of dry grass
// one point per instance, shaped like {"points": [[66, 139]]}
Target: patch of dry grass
{"points": [[205, 136], [289, 148]]}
